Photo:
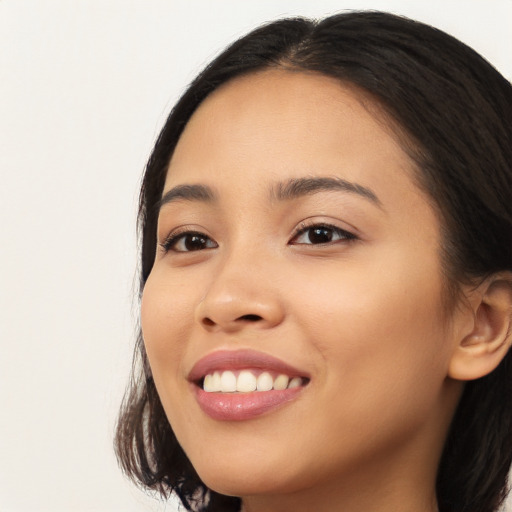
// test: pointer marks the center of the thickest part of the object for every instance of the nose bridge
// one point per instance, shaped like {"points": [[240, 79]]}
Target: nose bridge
{"points": [[242, 291]]}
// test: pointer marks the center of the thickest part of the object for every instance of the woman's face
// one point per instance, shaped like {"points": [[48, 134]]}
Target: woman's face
{"points": [[293, 241]]}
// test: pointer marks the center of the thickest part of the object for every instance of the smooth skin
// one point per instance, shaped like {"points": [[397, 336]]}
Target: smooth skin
{"points": [[358, 304]]}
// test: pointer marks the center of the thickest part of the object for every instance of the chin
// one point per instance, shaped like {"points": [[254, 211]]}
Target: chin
{"points": [[235, 484], [246, 481]]}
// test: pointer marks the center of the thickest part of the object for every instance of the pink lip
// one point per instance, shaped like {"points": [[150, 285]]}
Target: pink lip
{"points": [[238, 360], [241, 406]]}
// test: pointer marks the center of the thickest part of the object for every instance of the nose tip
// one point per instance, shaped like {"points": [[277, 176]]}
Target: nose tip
{"points": [[230, 313], [243, 290]]}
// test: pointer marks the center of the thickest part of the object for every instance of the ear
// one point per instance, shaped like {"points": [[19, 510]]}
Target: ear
{"points": [[479, 351]]}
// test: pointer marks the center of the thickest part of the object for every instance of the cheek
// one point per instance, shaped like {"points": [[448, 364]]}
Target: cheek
{"points": [[166, 314], [386, 353], [378, 327], [166, 322]]}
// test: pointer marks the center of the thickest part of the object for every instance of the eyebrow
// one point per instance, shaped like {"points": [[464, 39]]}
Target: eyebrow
{"points": [[298, 187], [187, 193], [291, 189]]}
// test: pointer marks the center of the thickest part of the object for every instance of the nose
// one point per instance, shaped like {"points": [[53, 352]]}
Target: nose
{"points": [[241, 295]]}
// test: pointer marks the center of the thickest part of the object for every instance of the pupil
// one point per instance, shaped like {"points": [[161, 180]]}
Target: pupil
{"points": [[194, 242], [320, 235]]}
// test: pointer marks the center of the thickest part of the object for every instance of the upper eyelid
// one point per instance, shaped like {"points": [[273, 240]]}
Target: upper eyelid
{"points": [[183, 230], [174, 236], [312, 223], [346, 235]]}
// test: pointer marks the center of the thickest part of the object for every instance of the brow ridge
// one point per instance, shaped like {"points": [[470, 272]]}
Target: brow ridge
{"points": [[188, 193], [283, 191], [298, 187]]}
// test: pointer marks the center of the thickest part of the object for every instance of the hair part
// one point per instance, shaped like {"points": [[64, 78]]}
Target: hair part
{"points": [[451, 111]]}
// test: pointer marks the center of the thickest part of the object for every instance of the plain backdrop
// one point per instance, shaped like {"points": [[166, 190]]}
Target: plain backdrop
{"points": [[84, 88]]}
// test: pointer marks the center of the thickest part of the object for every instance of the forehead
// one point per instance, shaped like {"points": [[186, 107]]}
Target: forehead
{"points": [[278, 124]]}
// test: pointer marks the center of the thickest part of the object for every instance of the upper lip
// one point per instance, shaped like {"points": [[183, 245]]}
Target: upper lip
{"points": [[241, 359]]}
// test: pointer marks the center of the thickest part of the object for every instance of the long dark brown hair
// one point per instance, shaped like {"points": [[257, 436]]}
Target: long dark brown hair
{"points": [[453, 112]]}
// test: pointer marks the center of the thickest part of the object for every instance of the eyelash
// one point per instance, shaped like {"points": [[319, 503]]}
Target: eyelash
{"points": [[335, 230], [170, 243]]}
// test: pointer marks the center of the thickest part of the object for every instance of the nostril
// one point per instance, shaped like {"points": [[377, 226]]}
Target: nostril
{"points": [[250, 318], [208, 322]]}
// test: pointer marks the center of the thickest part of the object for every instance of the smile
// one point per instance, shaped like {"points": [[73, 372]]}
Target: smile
{"points": [[248, 381], [244, 384]]}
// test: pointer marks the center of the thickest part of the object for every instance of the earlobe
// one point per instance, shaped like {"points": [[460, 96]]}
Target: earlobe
{"points": [[480, 351]]}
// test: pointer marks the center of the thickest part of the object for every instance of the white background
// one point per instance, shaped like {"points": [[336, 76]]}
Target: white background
{"points": [[84, 88]]}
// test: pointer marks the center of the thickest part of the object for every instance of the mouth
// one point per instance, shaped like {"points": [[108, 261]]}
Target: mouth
{"points": [[248, 381], [244, 384]]}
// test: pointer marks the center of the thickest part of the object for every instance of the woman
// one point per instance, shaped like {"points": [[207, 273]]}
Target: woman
{"points": [[326, 277]]}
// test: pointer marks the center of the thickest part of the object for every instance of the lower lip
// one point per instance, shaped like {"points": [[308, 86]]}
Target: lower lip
{"points": [[243, 406]]}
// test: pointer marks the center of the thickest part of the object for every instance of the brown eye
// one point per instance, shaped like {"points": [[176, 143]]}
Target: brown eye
{"points": [[321, 234], [194, 242], [188, 242]]}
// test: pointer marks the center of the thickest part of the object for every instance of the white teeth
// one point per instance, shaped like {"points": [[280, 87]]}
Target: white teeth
{"points": [[247, 382], [216, 381], [207, 384], [212, 383], [227, 382], [295, 383], [281, 382], [265, 382]]}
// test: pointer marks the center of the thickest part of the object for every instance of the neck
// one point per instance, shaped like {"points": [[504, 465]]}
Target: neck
{"points": [[369, 499], [351, 495]]}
